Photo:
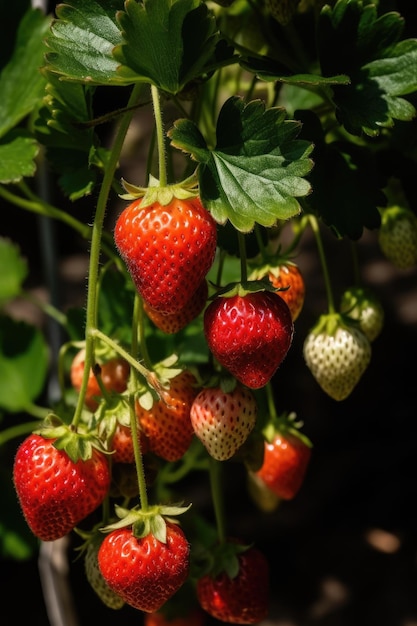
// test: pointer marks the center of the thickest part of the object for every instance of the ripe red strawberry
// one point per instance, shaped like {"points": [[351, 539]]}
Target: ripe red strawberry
{"points": [[337, 353], [144, 572], [223, 421], [242, 599], [286, 458], [249, 335], [397, 236], [167, 425], [114, 375], [111, 599], [56, 493], [174, 322], [168, 250], [361, 304], [122, 444], [285, 276]]}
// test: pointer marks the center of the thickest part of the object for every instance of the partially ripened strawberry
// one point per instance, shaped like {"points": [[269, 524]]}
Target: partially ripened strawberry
{"points": [[337, 352], [167, 425], [287, 277], [144, 571], [55, 492], [361, 304], [168, 249], [171, 323], [249, 334], [111, 599], [223, 420], [397, 236], [114, 374], [286, 458], [241, 597]]}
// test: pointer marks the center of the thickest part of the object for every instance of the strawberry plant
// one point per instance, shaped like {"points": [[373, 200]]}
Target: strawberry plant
{"points": [[221, 167]]}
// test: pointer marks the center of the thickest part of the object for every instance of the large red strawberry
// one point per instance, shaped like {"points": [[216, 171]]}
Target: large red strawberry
{"points": [[171, 323], [287, 277], [223, 421], [286, 458], [114, 375], [144, 571], [167, 425], [241, 598], [55, 492], [249, 334], [168, 249]]}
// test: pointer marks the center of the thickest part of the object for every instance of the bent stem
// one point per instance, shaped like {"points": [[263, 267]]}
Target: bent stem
{"points": [[316, 231], [96, 239]]}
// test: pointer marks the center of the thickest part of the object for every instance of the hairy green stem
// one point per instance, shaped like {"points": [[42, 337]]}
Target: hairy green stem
{"points": [[18, 431], [122, 352], [217, 498], [243, 260], [96, 241], [160, 136]]}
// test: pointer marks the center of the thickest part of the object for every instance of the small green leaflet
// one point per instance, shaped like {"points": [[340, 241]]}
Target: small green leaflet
{"points": [[255, 173], [14, 270], [353, 39], [18, 151]]}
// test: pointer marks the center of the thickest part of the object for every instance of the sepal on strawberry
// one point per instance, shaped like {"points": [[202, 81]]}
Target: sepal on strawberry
{"points": [[362, 304]]}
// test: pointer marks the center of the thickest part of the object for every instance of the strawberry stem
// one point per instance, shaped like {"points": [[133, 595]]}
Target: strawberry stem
{"points": [[243, 260], [316, 231], [160, 136], [217, 498], [96, 240]]}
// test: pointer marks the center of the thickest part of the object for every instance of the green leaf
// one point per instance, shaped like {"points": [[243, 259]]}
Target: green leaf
{"points": [[23, 364], [14, 270], [18, 151], [166, 43], [21, 82], [255, 173], [72, 146], [346, 194], [367, 47], [115, 313], [82, 41], [270, 70]]}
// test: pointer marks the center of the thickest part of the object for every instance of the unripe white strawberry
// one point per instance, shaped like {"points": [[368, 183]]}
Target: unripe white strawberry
{"points": [[397, 236], [223, 420], [361, 304], [337, 353], [95, 577]]}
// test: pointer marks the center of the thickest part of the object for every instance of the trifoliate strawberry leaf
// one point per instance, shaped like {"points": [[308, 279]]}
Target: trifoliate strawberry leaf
{"points": [[82, 40], [166, 42], [342, 166], [255, 172], [23, 364], [21, 82], [354, 40], [14, 270]]}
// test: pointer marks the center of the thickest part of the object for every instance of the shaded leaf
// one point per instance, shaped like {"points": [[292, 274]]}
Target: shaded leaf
{"points": [[23, 364], [18, 151], [21, 82], [255, 173], [367, 48], [14, 270]]}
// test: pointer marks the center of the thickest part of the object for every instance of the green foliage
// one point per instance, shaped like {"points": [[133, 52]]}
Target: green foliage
{"points": [[14, 271]]}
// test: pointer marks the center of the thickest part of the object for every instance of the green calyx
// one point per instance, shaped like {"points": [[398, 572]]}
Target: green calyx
{"points": [[330, 323], [78, 445], [163, 195], [285, 424], [243, 288], [151, 521]]}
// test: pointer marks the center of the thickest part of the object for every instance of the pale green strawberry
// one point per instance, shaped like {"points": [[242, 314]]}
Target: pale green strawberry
{"points": [[361, 304], [337, 353], [94, 576], [223, 420], [397, 236]]}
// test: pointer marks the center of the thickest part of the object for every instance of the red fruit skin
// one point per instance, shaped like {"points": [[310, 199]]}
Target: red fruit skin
{"points": [[114, 374], [240, 600], [122, 444], [286, 459], [195, 617], [167, 425], [168, 250], [55, 493], [174, 322], [249, 335], [144, 572]]}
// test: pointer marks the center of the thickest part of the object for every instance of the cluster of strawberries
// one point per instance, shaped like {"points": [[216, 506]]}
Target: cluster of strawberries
{"points": [[62, 476]]}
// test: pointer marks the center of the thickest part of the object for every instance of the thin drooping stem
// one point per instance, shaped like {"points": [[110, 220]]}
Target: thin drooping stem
{"points": [[316, 231], [96, 241], [217, 498]]}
